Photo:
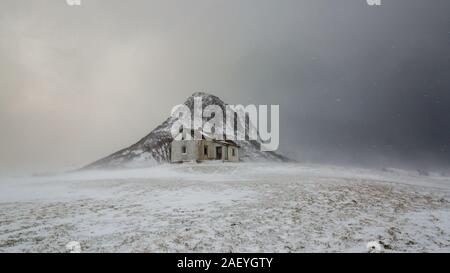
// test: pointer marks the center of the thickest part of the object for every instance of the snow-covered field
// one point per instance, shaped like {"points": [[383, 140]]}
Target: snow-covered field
{"points": [[227, 208]]}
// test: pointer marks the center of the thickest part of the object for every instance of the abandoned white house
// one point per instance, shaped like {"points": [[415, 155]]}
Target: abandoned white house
{"points": [[205, 149]]}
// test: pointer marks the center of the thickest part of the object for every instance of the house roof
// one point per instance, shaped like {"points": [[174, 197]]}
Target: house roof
{"points": [[226, 142], [211, 137]]}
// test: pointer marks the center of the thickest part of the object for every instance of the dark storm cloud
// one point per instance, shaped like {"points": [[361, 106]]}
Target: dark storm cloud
{"points": [[355, 84]]}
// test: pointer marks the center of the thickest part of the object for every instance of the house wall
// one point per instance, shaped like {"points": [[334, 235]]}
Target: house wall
{"points": [[234, 158], [195, 151], [226, 150], [211, 150], [210, 154], [192, 150]]}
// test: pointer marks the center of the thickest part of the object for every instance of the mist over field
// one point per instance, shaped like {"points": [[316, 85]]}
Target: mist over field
{"points": [[227, 208]]}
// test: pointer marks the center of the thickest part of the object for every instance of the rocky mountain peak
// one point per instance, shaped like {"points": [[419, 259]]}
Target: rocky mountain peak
{"points": [[155, 147]]}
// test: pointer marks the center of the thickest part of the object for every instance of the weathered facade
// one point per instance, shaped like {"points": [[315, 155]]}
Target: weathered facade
{"points": [[203, 150]]}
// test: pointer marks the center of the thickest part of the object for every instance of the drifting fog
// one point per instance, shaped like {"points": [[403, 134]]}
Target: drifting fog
{"points": [[355, 84]]}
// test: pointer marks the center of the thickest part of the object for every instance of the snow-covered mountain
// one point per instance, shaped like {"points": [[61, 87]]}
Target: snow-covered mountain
{"points": [[155, 147]]}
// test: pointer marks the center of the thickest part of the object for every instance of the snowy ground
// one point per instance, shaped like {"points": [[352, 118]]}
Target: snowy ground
{"points": [[227, 208]]}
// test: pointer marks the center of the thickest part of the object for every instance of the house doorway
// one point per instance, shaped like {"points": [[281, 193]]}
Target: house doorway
{"points": [[225, 153], [218, 153]]}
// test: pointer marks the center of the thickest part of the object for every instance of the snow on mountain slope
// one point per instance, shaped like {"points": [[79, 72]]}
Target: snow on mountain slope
{"points": [[154, 148]]}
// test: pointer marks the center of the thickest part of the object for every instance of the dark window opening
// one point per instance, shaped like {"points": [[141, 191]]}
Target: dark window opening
{"points": [[233, 152], [183, 149], [218, 152], [205, 150]]}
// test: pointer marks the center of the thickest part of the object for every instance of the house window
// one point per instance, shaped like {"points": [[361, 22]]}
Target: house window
{"points": [[205, 150], [183, 150], [233, 153]]}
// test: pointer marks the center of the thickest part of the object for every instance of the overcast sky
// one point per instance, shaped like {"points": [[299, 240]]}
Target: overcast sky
{"points": [[356, 84]]}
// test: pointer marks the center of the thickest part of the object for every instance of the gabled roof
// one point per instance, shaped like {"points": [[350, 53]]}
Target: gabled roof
{"points": [[226, 142], [210, 137]]}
